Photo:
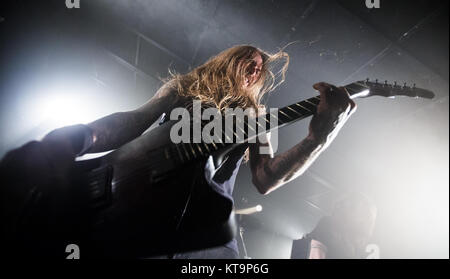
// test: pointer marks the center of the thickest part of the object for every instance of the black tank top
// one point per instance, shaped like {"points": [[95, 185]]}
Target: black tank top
{"points": [[221, 174]]}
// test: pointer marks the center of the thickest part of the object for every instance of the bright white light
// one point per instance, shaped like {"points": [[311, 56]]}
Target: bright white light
{"points": [[62, 105], [65, 109], [259, 208]]}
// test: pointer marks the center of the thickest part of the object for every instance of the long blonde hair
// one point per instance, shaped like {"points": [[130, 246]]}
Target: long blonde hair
{"points": [[219, 81]]}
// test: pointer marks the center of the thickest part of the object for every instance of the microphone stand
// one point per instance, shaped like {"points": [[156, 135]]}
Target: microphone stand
{"points": [[241, 212], [241, 234]]}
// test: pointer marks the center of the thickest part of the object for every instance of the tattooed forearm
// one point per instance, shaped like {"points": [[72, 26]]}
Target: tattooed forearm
{"points": [[114, 130], [334, 109], [285, 167]]}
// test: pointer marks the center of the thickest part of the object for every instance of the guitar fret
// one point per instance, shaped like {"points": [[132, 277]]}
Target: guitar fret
{"points": [[309, 102], [215, 146], [233, 133], [293, 110], [250, 126], [238, 126], [207, 148], [186, 152], [259, 125], [297, 104], [263, 117], [193, 151], [179, 154], [227, 137], [311, 107], [199, 149], [242, 130], [283, 113], [274, 116]]}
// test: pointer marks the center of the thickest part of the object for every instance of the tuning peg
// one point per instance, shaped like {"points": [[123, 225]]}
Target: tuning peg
{"points": [[414, 85], [395, 83], [385, 82], [367, 79], [376, 81], [404, 85]]}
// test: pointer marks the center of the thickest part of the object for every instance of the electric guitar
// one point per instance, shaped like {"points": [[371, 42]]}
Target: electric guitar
{"points": [[148, 198]]}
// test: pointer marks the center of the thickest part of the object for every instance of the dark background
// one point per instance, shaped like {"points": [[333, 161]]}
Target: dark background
{"points": [[109, 56]]}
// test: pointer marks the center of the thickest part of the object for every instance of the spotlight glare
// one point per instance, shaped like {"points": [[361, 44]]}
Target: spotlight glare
{"points": [[59, 107]]}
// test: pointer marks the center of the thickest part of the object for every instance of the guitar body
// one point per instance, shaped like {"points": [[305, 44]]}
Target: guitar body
{"points": [[133, 202]]}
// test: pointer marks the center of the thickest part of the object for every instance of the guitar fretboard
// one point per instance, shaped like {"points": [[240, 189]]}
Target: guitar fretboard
{"points": [[185, 152]]}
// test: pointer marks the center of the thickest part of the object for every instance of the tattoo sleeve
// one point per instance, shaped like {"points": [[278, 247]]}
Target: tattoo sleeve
{"points": [[274, 172], [114, 130]]}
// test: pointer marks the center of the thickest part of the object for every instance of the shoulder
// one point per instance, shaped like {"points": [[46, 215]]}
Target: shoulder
{"points": [[165, 99], [168, 89]]}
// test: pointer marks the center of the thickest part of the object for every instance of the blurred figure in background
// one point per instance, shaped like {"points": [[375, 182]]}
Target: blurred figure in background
{"points": [[343, 235]]}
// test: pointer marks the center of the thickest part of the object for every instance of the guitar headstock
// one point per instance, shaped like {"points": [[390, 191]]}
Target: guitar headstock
{"points": [[367, 88]]}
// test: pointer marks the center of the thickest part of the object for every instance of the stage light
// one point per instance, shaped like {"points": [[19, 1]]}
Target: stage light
{"points": [[64, 109], [61, 105]]}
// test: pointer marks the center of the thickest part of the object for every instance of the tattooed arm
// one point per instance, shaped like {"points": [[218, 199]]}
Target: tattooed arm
{"points": [[269, 172], [114, 130]]}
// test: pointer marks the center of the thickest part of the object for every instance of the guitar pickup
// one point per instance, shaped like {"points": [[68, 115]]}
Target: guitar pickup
{"points": [[100, 187]]}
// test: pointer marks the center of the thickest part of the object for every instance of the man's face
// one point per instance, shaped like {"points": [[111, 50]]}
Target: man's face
{"points": [[254, 70]]}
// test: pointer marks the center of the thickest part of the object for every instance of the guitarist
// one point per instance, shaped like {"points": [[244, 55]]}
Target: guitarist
{"points": [[236, 77]]}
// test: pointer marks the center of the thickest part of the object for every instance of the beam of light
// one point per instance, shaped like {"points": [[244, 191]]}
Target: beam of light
{"points": [[65, 108], [412, 194], [61, 104]]}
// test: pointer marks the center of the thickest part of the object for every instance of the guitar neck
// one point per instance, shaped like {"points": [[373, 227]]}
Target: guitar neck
{"points": [[292, 113], [270, 121], [185, 152], [298, 111], [229, 135]]}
